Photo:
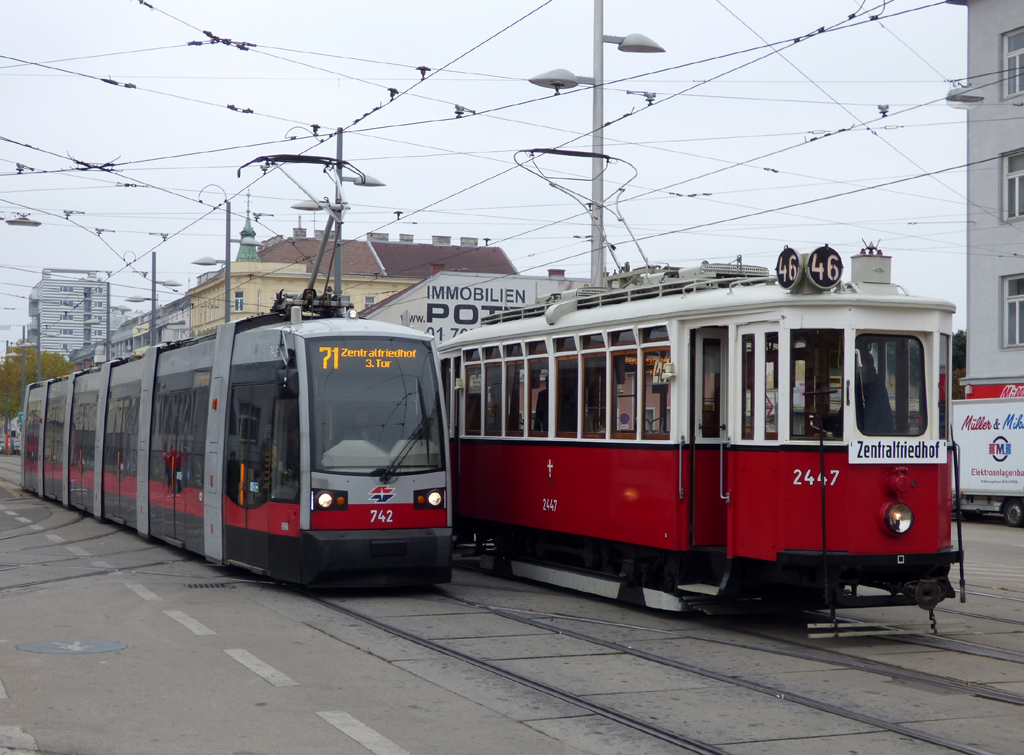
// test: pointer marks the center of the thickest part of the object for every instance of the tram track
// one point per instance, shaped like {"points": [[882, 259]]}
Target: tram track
{"points": [[687, 743], [676, 738]]}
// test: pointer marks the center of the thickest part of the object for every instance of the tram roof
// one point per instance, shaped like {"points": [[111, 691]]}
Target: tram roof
{"points": [[744, 297]]}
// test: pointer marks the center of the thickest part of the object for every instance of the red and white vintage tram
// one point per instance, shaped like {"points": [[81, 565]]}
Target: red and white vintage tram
{"points": [[718, 433], [307, 449]]}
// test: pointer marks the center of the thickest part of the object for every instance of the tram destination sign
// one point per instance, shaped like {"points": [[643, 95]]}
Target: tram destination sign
{"points": [[898, 451], [339, 356]]}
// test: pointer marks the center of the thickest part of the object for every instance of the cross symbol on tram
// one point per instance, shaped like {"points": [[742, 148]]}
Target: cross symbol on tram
{"points": [[550, 467]]}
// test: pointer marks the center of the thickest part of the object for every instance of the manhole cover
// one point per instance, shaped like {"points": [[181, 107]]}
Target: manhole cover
{"points": [[76, 646]]}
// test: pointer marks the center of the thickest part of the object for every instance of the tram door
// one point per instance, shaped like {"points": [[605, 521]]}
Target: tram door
{"points": [[709, 436], [247, 474]]}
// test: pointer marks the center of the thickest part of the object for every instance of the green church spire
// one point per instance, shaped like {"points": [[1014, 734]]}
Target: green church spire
{"points": [[248, 251]]}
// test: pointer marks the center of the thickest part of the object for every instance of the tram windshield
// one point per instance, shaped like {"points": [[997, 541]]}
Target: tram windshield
{"points": [[375, 406]]}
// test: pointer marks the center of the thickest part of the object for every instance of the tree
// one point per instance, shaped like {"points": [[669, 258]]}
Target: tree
{"points": [[960, 350], [54, 365]]}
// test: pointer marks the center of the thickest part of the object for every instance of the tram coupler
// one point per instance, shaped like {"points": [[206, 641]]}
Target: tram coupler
{"points": [[928, 593]]}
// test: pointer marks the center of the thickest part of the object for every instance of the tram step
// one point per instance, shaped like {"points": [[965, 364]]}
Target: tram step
{"points": [[700, 588]]}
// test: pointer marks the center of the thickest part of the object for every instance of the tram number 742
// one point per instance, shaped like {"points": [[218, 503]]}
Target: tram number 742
{"points": [[802, 476], [381, 515]]}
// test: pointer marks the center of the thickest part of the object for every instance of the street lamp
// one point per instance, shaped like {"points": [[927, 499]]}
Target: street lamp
{"points": [[152, 299], [559, 79], [227, 250], [21, 219], [963, 97]]}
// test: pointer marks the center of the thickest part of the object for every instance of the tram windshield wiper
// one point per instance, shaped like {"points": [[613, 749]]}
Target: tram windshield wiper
{"points": [[388, 473]]}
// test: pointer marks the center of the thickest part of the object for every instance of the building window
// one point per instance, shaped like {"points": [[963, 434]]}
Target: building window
{"points": [[1014, 311], [1015, 185], [64, 289], [67, 331], [1014, 63], [239, 301], [345, 301], [368, 301], [67, 316]]}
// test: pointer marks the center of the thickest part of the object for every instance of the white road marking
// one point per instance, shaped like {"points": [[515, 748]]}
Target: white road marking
{"points": [[369, 738], [36, 527], [258, 667], [77, 551], [14, 738], [189, 623], [3, 692], [23, 520], [10, 513], [55, 538], [143, 592], [102, 565]]}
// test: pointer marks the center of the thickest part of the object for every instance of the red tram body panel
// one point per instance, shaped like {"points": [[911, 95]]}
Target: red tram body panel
{"points": [[714, 433], [276, 445]]}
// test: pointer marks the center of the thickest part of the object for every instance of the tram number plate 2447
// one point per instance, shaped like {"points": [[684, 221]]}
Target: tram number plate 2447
{"points": [[809, 477]]}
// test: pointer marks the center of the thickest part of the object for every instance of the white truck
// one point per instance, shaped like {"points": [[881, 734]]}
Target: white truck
{"points": [[990, 433]]}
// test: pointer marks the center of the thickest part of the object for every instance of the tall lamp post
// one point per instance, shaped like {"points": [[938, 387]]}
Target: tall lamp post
{"points": [[152, 299], [559, 79], [227, 250]]}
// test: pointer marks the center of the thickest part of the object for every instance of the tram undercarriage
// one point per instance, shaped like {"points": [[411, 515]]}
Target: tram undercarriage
{"points": [[705, 579]]}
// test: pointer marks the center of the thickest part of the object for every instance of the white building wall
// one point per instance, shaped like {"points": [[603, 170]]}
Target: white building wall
{"points": [[995, 245], [448, 303]]}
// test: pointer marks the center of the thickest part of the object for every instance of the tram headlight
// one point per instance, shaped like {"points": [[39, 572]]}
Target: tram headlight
{"points": [[329, 500], [898, 518], [430, 498]]}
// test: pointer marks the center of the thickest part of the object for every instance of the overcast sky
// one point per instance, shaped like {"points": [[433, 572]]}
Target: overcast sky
{"points": [[767, 129]]}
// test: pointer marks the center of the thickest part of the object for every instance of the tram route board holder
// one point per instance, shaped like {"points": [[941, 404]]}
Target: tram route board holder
{"points": [[820, 270]]}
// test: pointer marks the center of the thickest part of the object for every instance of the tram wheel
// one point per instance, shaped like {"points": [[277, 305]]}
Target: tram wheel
{"points": [[1013, 512]]}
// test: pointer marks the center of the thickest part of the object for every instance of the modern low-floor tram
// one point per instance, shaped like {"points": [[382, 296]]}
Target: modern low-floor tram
{"points": [[307, 450], [715, 434]]}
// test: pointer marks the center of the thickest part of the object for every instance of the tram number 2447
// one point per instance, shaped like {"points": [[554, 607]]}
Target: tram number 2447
{"points": [[808, 477]]}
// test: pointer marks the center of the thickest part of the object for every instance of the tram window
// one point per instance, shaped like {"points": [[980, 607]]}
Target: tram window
{"points": [[623, 338], [492, 352], [474, 392], [473, 355], [748, 387], [889, 389], [538, 397], [284, 480], [536, 347], [944, 383], [595, 341], [624, 389], [595, 395], [566, 343], [657, 395], [771, 386], [711, 389], [492, 399], [567, 395], [514, 350], [816, 364], [652, 335], [515, 398]]}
